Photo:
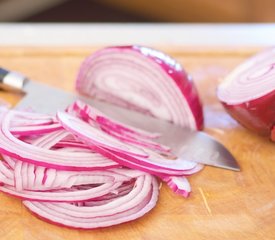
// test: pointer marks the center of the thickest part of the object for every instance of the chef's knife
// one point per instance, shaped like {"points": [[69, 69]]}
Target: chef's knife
{"points": [[191, 145]]}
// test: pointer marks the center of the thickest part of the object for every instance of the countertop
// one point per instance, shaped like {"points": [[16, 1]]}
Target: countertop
{"points": [[12, 34]]}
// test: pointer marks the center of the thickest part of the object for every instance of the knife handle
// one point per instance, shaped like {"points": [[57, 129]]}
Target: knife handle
{"points": [[11, 81]]}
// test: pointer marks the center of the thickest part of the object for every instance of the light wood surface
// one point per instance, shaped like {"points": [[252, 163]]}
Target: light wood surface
{"points": [[223, 204]]}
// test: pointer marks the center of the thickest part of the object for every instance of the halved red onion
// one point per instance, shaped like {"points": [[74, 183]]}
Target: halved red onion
{"points": [[248, 92], [142, 79]]}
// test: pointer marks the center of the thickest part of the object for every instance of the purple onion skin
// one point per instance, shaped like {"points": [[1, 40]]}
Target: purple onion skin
{"points": [[257, 115], [176, 72]]}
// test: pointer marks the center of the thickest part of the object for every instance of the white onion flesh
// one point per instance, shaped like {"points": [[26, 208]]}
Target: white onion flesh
{"points": [[250, 80]]}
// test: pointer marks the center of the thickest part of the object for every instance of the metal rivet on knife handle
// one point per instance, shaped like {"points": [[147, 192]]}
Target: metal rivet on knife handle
{"points": [[11, 81]]}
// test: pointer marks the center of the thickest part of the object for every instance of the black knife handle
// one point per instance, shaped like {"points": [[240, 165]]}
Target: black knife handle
{"points": [[11, 81]]}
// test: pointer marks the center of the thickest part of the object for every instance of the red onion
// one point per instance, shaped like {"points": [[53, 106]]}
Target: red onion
{"points": [[73, 160], [96, 136], [248, 93], [179, 185], [141, 199], [121, 152], [80, 199], [82, 169], [107, 197], [122, 132], [142, 79], [43, 184], [68, 170]]}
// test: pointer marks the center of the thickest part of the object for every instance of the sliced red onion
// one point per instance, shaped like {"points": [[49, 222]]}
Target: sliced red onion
{"points": [[73, 144], [6, 173], [178, 184], [108, 202], [32, 182], [14, 147], [142, 79], [40, 129], [117, 152], [31, 119], [63, 195], [248, 92], [135, 204], [95, 136], [121, 132], [158, 171], [136, 141], [31, 177], [89, 113], [70, 172]]}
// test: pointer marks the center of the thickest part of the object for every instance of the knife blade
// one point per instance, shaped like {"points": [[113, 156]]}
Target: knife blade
{"points": [[191, 145]]}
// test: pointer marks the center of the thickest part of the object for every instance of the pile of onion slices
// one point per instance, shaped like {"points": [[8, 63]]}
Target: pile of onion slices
{"points": [[81, 169]]}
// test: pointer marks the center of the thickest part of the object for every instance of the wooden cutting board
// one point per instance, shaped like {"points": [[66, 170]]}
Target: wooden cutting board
{"points": [[223, 204]]}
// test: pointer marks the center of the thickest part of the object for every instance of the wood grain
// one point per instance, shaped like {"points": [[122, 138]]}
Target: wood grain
{"points": [[223, 204]]}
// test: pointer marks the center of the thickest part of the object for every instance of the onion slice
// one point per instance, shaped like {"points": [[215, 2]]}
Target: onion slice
{"points": [[179, 185], [95, 136]]}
